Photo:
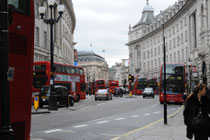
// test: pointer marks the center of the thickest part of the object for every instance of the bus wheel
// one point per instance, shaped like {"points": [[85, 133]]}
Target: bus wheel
{"points": [[78, 98], [71, 102]]}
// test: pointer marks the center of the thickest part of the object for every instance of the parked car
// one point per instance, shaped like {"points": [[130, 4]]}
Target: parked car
{"points": [[103, 94], [148, 92], [62, 93]]}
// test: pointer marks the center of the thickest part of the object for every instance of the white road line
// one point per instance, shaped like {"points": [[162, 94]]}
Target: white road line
{"points": [[68, 131], [173, 109], [156, 112], [78, 126], [118, 119], [86, 107], [134, 116], [52, 131], [36, 139], [101, 122], [146, 114], [100, 104]]}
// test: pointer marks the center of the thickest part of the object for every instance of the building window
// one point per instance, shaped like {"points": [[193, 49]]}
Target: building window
{"points": [[155, 63], [151, 65], [177, 27], [159, 62], [174, 57], [169, 32], [144, 55], [147, 54], [148, 66], [178, 56], [170, 58], [186, 53], [37, 36], [174, 41], [166, 58], [182, 55], [185, 21], [37, 10], [166, 46], [45, 39], [181, 23], [182, 39], [151, 52], [155, 51], [185, 36], [174, 30], [158, 49], [170, 45], [178, 41]]}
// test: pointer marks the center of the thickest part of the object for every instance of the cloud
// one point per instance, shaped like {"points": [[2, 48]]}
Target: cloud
{"points": [[104, 23]]}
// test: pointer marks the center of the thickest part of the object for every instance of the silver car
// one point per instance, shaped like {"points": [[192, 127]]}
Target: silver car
{"points": [[148, 92], [103, 94]]}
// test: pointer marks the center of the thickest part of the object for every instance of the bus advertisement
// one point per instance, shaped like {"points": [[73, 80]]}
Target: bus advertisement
{"points": [[139, 85], [175, 83], [112, 85], [21, 50], [69, 76]]}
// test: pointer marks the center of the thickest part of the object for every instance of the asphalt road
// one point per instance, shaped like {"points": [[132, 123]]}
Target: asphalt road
{"points": [[98, 120]]}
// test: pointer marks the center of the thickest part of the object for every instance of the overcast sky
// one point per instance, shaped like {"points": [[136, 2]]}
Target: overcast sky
{"points": [[104, 24]]}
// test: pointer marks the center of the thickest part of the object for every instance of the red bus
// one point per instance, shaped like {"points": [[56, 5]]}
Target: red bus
{"points": [[153, 84], [21, 50], [99, 84], [139, 85], [69, 76], [175, 83], [112, 85]]}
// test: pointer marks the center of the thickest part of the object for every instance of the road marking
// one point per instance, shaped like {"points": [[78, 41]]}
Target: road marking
{"points": [[100, 104], [78, 126], [118, 119], [68, 131], [36, 139], [156, 112], [146, 114], [144, 127], [173, 109], [101, 122], [52, 131], [86, 107], [134, 116]]}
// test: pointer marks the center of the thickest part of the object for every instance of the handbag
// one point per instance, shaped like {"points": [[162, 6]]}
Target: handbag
{"points": [[199, 121]]}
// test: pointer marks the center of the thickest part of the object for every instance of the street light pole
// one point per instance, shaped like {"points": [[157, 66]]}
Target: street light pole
{"points": [[165, 104], [190, 75], [6, 132], [51, 22]]}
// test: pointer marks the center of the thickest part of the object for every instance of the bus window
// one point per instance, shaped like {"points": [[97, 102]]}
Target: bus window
{"points": [[39, 67], [81, 72], [65, 69], [77, 71], [20, 5], [82, 87], [68, 69], [58, 68], [72, 70]]}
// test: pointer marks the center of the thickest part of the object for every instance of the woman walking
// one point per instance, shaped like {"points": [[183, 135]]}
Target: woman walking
{"points": [[196, 114]]}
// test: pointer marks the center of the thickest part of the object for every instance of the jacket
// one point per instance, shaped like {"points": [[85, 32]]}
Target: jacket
{"points": [[191, 110]]}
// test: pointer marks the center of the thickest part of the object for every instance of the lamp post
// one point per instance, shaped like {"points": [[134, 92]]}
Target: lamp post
{"points": [[189, 63], [164, 57], [51, 21], [6, 131]]}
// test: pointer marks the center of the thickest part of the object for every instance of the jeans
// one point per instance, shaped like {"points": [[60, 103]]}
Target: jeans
{"points": [[201, 136]]}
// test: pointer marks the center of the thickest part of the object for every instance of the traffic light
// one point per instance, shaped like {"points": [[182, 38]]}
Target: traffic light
{"points": [[131, 78]]}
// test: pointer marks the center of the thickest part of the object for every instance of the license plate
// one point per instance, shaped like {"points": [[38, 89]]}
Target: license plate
{"points": [[44, 97], [171, 101]]}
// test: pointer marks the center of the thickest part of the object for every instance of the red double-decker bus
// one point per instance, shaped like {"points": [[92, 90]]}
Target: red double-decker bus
{"points": [[69, 76], [99, 84], [112, 85], [153, 84], [175, 83], [21, 50], [139, 85]]}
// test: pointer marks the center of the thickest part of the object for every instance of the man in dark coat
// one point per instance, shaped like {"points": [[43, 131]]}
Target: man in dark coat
{"points": [[208, 92]]}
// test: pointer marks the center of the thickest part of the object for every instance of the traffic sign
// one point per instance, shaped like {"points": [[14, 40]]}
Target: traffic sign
{"points": [[36, 102]]}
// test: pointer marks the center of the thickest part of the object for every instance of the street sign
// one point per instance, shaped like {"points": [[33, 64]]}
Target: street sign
{"points": [[36, 102]]}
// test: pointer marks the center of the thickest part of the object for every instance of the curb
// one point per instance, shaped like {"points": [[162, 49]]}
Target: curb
{"points": [[37, 113], [146, 126]]}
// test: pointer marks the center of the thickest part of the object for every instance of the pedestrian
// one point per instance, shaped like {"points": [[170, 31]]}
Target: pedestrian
{"points": [[208, 92], [196, 114], [185, 94]]}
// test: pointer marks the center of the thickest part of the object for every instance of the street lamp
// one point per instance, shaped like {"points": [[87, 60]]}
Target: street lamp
{"points": [[164, 57], [189, 63], [51, 22]]}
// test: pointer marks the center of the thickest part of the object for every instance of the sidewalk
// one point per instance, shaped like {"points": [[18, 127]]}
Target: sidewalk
{"points": [[174, 130]]}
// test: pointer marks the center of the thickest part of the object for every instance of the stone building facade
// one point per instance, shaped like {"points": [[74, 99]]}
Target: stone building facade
{"points": [[63, 34], [95, 66], [187, 35]]}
